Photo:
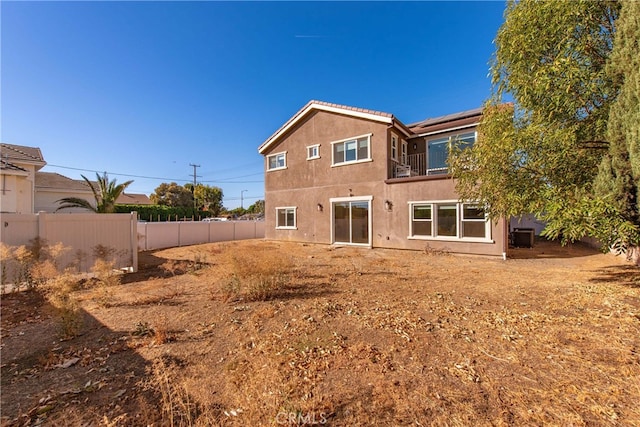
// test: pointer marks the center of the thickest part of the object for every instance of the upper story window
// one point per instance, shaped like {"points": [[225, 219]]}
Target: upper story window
{"points": [[313, 152], [394, 146], [404, 157], [352, 150], [277, 161], [438, 151]]}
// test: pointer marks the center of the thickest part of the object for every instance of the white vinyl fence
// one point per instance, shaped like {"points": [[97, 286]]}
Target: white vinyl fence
{"points": [[159, 235], [122, 234], [81, 233]]}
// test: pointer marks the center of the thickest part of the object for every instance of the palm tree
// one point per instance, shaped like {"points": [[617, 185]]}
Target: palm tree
{"points": [[105, 192]]}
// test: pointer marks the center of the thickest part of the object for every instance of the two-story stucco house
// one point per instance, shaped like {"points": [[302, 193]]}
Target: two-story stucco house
{"points": [[350, 176]]}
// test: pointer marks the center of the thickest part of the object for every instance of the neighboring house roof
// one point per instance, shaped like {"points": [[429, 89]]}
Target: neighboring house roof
{"points": [[134, 199], [315, 105], [449, 122], [20, 154], [55, 181]]}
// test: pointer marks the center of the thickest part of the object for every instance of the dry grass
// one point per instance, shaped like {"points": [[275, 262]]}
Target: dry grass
{"points": [[255, 276], [311, 335]]}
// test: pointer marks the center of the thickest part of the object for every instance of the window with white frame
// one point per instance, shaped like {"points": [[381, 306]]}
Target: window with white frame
{"points": [[313, 152], [438, 151], [277, 161], [421, 223], [448, 221], [286, 217], [473, 221], [404, 157], [352, 150], [394, 146]]}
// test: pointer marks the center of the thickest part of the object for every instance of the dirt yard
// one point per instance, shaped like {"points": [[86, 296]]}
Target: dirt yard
{"points": [[269, 333]]}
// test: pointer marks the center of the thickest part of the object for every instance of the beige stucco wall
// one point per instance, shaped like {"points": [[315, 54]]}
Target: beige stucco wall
{"points": [[46, 200], [8, 194], [17, 194], [323, 128], [306, 184]]}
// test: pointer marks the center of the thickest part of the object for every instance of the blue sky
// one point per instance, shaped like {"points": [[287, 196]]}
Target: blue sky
{"points": [[144, 89]]}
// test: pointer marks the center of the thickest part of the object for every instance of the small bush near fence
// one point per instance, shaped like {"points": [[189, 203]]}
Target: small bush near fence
{"points": [[37, 267]]}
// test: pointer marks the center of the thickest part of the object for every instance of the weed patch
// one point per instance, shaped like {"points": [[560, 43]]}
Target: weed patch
{"points": [[256, 276]]}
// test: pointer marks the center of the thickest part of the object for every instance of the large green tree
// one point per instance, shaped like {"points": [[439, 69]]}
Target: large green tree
{"points": [[619, 174], [208, 198], [172, 194], [257, 207], [105, 194], [542, 153]]}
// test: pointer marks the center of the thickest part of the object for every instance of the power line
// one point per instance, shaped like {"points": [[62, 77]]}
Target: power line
{"points": [[224, 181], [244, 198]]}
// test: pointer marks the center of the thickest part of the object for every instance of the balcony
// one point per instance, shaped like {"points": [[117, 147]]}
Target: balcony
{"points": [[413, 165]]}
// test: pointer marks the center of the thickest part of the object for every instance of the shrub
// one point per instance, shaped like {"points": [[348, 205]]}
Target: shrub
{"points": [[59, 292], [32, 265], [6, 256], [176, 405], [107, 277], [257, 276]]}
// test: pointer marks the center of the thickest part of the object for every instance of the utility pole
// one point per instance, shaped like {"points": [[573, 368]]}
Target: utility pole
{"points": [[242, 198], [193, 190], [194, 173]]}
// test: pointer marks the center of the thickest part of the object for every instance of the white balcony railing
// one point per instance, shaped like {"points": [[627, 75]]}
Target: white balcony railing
{"points": [[414, 165]]}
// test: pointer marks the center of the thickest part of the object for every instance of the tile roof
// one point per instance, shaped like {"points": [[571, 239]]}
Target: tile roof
{"points": [[346, 107], [21, 153], [8, 166], [134, 199], [52, 180], [463, 118]]}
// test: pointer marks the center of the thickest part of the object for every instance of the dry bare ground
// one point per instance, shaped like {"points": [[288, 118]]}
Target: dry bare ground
{"points": [[271, 333]]}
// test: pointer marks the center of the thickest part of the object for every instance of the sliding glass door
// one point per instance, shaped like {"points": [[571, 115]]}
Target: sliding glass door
{"points": [[351, 221]]}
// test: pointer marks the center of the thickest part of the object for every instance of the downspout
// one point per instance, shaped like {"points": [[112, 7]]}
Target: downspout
{"points": [[505, 238], [4, 176], [33, 193]]}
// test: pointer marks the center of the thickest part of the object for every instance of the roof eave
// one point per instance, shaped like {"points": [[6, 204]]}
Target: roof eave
{"points": [[402, 128], [436, 132]]}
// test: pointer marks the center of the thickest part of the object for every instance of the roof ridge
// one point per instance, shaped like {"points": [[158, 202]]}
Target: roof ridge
{"points": [[349, 107]]}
